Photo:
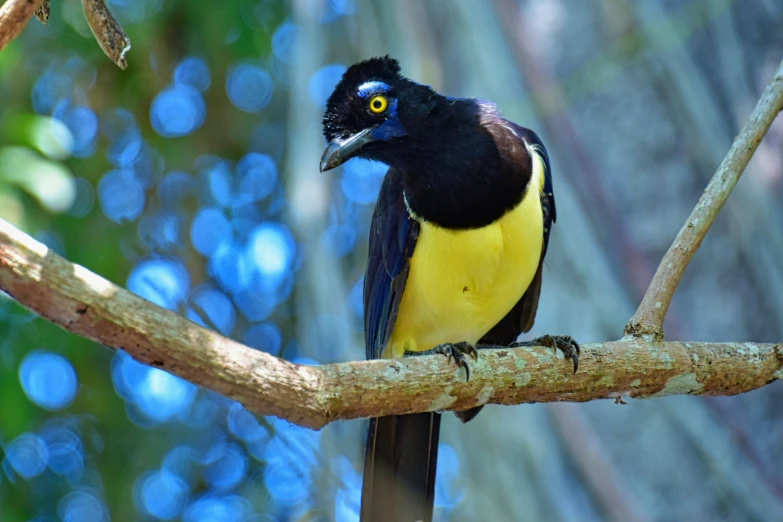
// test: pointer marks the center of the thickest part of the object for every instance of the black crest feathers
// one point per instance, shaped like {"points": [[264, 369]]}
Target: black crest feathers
{"points": [[380, 68]]}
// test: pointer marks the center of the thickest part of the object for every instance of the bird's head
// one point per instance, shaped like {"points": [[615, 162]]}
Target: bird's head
{"points": [[374, 112]]}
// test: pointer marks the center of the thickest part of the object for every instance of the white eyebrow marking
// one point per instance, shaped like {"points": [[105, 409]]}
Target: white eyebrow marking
{"points": [[372, 87]]}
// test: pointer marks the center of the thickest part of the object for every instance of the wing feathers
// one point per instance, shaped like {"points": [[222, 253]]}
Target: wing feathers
{"points": [[393, 237]]}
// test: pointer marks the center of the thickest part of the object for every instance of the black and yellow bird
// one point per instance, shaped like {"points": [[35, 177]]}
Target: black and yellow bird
{"points": [[457, 243]]}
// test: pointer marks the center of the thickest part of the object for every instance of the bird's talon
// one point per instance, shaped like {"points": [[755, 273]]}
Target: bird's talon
{"points": [[564, 343], [457, 352]]}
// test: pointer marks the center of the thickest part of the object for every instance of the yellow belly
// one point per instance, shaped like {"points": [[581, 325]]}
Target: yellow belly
{"points": [[462, 283]]}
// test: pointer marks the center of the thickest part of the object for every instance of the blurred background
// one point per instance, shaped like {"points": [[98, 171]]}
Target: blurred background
{"points": [[192, 179]]}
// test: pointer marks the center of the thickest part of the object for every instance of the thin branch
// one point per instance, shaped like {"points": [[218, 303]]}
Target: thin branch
{"points": [[88, 305], [648, 319], [43, 12], [14, 15], [107, 31]]}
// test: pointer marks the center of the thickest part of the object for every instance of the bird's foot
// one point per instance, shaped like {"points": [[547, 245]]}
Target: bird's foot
{"points": [[564, 343], [457, 351]]}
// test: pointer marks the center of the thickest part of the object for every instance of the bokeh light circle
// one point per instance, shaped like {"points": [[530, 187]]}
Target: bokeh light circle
{"points": [[194, 72], [27, 455], [177, 111], [165, 282], [119, 125], [272, 249], [48, 379], [362, 179], [231, 267], [49, 89], [244, 424], [83, 124], [210, 227], [249, 87], [81, 506], [257, 175], [158, 395], [323, 82], [264, 336], [216, 306], [121, 195], [218, 508], [175, 187], [284, 41], [161, 494], [227, 466], [66, 451]]}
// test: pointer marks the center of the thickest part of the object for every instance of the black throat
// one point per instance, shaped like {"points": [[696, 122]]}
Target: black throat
{"points": [[463, 168]]}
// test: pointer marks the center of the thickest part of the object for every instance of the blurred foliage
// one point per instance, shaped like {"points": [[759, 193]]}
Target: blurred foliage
{"points": [[191, 179], [165, 178]]}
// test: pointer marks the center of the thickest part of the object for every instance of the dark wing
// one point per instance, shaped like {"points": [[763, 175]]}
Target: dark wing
{"points": [[402, 450], [520, 319], [393, 235]]}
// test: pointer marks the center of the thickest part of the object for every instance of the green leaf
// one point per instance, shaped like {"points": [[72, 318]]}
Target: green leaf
{"points": [[50, 182], [49, 135]]}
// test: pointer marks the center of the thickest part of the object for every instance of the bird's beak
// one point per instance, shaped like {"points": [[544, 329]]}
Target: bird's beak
{"points": [[341, 150]]}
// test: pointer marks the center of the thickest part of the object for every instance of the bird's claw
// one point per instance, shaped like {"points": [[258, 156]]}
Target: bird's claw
{"points": [[456, 351], [564, 343]]}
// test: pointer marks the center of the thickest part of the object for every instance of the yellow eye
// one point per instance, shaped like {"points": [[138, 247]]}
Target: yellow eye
{"points": [[378, 104]]}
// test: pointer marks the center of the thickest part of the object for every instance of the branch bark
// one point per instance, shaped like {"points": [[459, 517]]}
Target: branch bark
{"points": [[648, 319], [107, 31], [14, 15], [88, 305]]}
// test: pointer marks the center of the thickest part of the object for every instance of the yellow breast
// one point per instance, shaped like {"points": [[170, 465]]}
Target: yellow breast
{"points": [[462, 283]]}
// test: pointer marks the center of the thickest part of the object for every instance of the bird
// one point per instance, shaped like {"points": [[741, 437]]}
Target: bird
{"points": [[457, 243]]}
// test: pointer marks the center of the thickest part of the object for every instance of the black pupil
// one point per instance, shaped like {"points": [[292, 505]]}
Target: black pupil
{"points": [[377, 104]]}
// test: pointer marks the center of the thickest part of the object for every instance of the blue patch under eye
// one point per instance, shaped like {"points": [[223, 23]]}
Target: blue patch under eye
{"points": [[372, 88], [392, 127]]}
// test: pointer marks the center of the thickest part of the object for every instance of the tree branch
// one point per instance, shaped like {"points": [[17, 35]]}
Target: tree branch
{"points": [[14, 15], [648, 319], [88, 305], [107, 31]]}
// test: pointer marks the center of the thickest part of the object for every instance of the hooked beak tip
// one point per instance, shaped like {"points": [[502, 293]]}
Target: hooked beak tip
{"points": [[341, 150], [331, 157]]}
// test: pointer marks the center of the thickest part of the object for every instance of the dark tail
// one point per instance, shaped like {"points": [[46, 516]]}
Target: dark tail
{"points": [[399, 468]]}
